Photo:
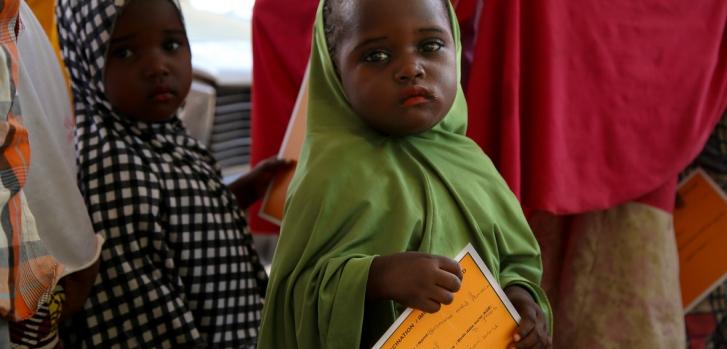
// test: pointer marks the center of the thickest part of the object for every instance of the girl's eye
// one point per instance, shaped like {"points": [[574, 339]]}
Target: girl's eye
{"points": [[431, 46], [172, 45], [123, 53], [376, 56]]}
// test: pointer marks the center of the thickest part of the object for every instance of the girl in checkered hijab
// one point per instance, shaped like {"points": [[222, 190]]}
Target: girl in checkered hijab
{"points": [[178, 268]]}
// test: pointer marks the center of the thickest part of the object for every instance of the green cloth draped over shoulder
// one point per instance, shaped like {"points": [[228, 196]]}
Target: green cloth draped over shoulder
{"points": [[357, 194]]}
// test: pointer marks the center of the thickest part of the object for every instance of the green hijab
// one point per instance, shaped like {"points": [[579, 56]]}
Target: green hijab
{"points": [[357, 194]]}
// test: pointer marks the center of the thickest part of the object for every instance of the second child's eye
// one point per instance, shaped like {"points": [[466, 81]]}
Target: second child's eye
{"points": [[172, 45], [431, 46], [122, 53], [376, 56]]}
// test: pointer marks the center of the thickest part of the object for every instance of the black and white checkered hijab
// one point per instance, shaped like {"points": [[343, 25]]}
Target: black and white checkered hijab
{"points": [[178, 269]]}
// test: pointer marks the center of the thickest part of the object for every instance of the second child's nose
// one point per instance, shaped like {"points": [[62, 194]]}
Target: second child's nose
{"points": [[155, 66], [409, 71]]}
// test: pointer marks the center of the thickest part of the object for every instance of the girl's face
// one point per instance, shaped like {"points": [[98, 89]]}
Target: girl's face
{"points": [[398, 64], [148, 66]]}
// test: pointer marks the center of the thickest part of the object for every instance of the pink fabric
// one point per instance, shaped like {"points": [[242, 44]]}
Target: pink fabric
{"points": [[584, 105], [468, 12], [281, 38], [700, 327]]}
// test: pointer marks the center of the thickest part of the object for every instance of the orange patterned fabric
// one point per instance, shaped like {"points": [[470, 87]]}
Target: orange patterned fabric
{"points": [[27, 272]]}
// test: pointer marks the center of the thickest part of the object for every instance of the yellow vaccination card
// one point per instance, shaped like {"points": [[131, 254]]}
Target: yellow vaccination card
{"points": [[479, 317], [700, 223]]}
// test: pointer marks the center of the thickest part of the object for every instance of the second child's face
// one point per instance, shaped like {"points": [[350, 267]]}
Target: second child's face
{"points": [[398, 64], [148, 66]]}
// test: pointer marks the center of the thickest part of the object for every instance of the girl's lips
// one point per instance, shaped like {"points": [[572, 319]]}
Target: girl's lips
{"points": [[415, 95], [415, 100], [163, 97], [162, 94]]}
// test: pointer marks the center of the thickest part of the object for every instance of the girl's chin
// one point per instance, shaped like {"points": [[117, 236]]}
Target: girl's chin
{"points": [[153, 118]]}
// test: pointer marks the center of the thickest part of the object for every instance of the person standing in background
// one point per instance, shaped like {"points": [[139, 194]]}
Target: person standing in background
{"points": [[590, 110], [57, 205], [27, 271]]}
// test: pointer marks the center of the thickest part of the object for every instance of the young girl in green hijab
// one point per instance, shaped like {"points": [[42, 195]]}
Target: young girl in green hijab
{"points": [[388, 184]]}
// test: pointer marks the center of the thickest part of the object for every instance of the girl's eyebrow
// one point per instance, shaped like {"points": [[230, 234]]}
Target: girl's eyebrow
{"points": [[432, 29], [175, 32], [381, 38], [121, 39], [369, 41]]}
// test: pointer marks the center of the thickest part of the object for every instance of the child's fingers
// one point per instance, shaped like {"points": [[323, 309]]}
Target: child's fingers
{"points": [[442, 296], [448, 281], [531, 334], [526, 327], [428, 306], [272, 164], [543, 328], [530, 341], [450, 265]]}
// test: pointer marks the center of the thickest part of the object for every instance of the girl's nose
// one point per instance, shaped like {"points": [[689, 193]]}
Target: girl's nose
{"points": [[410, 70], [156, 65]]}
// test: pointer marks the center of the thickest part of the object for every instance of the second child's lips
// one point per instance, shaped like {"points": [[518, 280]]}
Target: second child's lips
{"points": [[415, 95], [162, 94], [163, 97], [415, 100]]}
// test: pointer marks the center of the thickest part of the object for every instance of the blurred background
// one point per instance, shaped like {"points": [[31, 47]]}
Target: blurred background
{"points": [[218, 108]]}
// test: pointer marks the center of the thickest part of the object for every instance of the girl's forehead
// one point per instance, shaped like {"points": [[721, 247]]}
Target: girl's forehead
{"points": [[426, 9], [373, 14], [137, 14]]}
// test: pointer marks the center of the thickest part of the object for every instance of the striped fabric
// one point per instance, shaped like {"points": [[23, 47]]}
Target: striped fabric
{"points": [[27, 272], [41, 330]]}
